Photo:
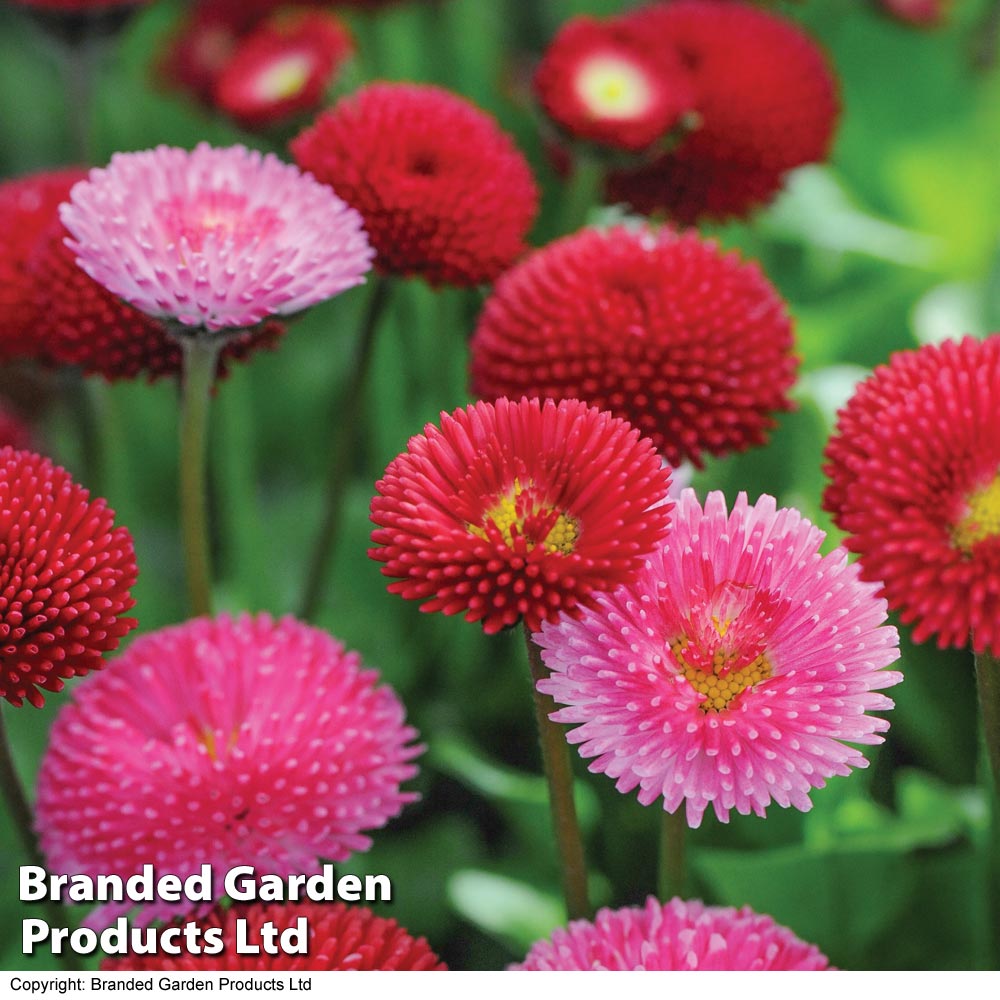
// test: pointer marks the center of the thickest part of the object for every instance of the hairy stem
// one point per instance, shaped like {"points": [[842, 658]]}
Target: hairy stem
{"points": [[673, 831]]}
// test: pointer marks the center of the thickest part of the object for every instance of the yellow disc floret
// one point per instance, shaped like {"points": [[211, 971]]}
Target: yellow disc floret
{"points": [[723, 682], [982, 521], [518, 512], [613, 88]]}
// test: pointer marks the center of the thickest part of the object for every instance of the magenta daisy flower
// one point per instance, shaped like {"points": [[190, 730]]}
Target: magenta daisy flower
{"points": [[214, 238], [230, 742], [734, 671], [519, 510], [677, 936]]}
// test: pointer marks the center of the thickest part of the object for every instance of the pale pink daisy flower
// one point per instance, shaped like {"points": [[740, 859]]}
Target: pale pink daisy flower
{"points": [[734, 671], [234, 741], [214, 238], [674, 937]]}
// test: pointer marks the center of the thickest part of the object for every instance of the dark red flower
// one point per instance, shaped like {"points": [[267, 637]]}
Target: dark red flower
{"points": [[66, 572], [519, 510], [601, 82], [28, 206], [919, 13], [79, 322], [341, 938], [444, 192], [689, 344], [914, 466], [766, 99], [284, 67]]}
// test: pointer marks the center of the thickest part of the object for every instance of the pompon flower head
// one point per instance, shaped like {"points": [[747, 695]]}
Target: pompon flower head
{"points": [[603, 83], [67, 572], [218, 239], [28, 205], [914, 467], [519, 510], [919, 13], [234, 741], [733, 671], [341, 939], [665, 330], [79, 322], [283, 68], [679, 936], [766, 101], [444, 193]]}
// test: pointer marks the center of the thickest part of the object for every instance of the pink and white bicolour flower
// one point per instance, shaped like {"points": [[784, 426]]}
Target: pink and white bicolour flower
{"points": [[214, 238], [734, 671]]}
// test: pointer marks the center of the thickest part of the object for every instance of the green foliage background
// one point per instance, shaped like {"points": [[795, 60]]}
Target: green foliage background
{"points": [[893, 244]]}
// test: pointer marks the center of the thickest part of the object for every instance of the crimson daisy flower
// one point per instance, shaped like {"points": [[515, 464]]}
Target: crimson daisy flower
{"points": [[679, 936], [341, 939], [235, 741], [444, 193], [28, 205], [603, 83], [733, 671], [67, 572], [79, 322], [766, 101], [518, 510], [920, 13], [689, 344], [284, 67], [218, 239], [914, 467]]}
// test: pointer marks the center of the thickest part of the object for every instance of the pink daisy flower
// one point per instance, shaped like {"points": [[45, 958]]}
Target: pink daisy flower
{"points": [[674, 937], [238, 741], [733, 671], [214, 238]]}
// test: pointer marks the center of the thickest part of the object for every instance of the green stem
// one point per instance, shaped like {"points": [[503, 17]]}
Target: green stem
{"points": [[81, 63], [343, 449], [559, 775], [673, 831], [20, 815], [582, 193], [988, 684], [201, 356]]}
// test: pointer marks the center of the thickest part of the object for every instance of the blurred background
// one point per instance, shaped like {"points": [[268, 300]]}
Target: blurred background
{"points": [[893, 244]]}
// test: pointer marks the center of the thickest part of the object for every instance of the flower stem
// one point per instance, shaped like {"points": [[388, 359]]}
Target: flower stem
{"points": [[201, 355], [559, 775], [346, 431], [20, 815], [673, 831], [988, 684], [581, 193]]}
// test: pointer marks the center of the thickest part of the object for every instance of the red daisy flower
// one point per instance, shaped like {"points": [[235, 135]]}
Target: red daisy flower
{"points": [[519, 510], [601, 82], [27, 207], [444, 192], [66, 572], [282, 68], [79, 322], [341, 939], [766, 99], [914, 466], [687, 343]]}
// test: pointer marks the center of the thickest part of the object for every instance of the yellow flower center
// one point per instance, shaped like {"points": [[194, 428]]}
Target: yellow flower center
{"points": [[982, 520], [207, 739], [517, 514], [613, 88], [724, 678], [284, 79]]}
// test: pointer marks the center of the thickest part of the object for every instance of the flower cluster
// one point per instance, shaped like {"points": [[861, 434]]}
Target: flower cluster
{"points": [[674, 937], [261, 63], [229, 742], [690, 345], [914, 469], [733, 671], [443, 192], [742, 96]]}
